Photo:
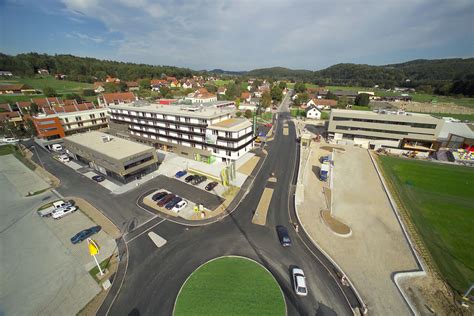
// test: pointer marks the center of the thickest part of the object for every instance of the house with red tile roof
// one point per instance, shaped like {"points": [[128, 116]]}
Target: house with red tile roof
{"points": [[112, 79], [201, 96], [99, 87], [245, 96], [5, 107], [48, 102], [107, 99], [322, 104], [132, 86]]}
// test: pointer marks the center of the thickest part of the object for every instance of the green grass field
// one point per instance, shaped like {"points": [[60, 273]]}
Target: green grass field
{"points": [[230, 286], [61, 86], [440, 201], [220, 83]]}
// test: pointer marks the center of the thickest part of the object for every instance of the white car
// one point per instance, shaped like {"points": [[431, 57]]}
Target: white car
{"points": [[299, 282], [10, 140], [64, 158], [63, 212], [178, 207]]}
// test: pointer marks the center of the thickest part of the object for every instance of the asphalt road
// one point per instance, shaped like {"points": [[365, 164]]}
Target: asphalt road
{"points": [[154, 275]]}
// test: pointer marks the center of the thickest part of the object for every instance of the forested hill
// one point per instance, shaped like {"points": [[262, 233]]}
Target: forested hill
{"points": [[85, 69]]}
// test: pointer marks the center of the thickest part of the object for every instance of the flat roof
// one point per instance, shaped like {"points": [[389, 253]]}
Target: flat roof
{"points": [[232, 124], [391, 113], [117, 148], [199, 110]]}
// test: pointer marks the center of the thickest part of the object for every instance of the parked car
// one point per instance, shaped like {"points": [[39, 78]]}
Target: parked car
{"points": [[10, 140], [179, 206], [166, 199], [180, 174], [198, 180], [283, 236], [63, 212], [98, 178], [189, 178], [64, 158], [268, 124], [58, 205], [323, 159], [84, 234], [158, 196], [211, 185], [56, 147], [299, 282], [173, 202]]}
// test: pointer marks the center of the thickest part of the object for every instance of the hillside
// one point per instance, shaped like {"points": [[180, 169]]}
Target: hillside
{"points": [[281, 73]]}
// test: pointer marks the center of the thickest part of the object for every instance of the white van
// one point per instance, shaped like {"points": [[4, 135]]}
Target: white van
{"points": [[56, 147]]}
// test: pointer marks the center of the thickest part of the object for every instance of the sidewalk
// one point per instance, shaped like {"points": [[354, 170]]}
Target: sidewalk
{"points": [[377, 247]]}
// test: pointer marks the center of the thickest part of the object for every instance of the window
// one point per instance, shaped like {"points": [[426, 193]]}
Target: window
{"points": [[214, 132], [80, 124], [66, 120], [94, 122], [228, 134], [187, 120], [78, 118], [228, 153], [92, 116]]}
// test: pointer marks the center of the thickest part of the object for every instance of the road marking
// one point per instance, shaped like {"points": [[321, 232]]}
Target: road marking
{"points": [[157, 239], [260, 216], [128, 241]]}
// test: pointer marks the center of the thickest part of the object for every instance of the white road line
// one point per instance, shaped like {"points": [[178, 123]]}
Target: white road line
{"points": [[145, 231]]}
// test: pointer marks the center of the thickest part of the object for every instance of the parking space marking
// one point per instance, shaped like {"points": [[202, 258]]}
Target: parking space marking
{"points": [[128, 241]]}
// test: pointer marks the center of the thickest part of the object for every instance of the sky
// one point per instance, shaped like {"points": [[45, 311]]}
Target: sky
{"points": [[241, 34]]}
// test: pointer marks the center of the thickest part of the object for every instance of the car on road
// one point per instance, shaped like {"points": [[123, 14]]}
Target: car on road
{"points": [[268, 124], [179, 206], [64, 212], [299, 282], [10, 140], [199, 180], [283, 236], [98, 178], [158, 196], [64, 158], [167, 198], [180, 174], [173, 202], [84, 234], [189, 178], [211, 185]]}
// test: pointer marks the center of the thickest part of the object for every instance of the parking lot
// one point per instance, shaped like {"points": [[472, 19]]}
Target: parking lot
{"points": [[42, 272]]}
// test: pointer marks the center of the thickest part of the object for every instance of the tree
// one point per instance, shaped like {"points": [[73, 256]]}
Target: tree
{"points": [[248, 114], [166, 92], [342, 102], [110, 87], [362, 99], [49, 92], [122, 87], [301, 98], [300, 87], [88, 92], [238, 114], [276, 93], [237, 103], [266, 100], [331, 96], [74, 96], [211, 88], [282, 85], [145, 84], [34, 109]]}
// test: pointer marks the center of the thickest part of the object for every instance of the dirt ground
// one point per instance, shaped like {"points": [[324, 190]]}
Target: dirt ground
{"points": [[433, 108]]}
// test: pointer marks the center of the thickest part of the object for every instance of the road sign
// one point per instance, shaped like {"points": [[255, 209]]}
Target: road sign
{"points": [[93, 247]]}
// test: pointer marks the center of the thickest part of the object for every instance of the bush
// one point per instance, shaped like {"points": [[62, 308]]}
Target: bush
{"points": [[238, 114], [248, 114], [88, 92]]}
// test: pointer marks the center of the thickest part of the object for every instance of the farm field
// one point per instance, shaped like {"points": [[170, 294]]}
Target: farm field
{"points": [[439, 199], [230, 286]]}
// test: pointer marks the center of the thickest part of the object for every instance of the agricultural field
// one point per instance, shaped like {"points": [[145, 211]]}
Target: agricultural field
{"points": [[220, 83], [439, 199], [230, 286]]}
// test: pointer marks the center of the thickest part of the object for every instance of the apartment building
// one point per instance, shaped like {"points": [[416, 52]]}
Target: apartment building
{"points": [[204, 132], [107, 99], [391, 129], [59, 125]]}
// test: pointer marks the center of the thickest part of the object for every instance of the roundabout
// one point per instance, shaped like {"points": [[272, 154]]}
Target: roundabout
{"points": [[230, 285]]}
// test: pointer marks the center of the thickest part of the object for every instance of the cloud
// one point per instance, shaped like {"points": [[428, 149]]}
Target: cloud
{"points": [[81, 36], [246, 34]]}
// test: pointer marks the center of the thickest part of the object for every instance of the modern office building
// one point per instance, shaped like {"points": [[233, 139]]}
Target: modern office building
{"points": [[203, 132], [61, 124], [115, 157], [391, 129]]}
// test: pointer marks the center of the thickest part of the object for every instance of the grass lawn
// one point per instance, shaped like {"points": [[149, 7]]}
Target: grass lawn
{"points": [[61, 86], [361, 108], [423, 97], [103, 265], [297, 112], [220, 83], [439, 199], [230, 286]]}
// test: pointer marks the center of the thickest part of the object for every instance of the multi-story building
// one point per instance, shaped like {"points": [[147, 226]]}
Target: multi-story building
{"points": [[201, 96], [391, 129], [58, 125], [203, 132]]}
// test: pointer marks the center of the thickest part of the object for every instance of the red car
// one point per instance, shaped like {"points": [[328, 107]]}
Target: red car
{"points": [[269, 125], [166, 199]]}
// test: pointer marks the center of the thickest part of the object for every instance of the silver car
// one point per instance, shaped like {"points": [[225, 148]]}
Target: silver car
{"points": [[299, 282]]}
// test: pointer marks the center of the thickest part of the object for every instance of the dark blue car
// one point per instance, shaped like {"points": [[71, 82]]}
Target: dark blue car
{"points": [[173, 202], [181, 173], [84, 234]]}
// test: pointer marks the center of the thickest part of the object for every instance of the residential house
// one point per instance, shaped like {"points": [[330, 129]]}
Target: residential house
{"points": [[188, 84], [112, 80], [12, 117], [5, 107], [312, 112], [24, 107], [132, 86], [107, 99], [16, 89], [156, 84], [322, 104], [201, 96], [99, 87], [221, 90], [245, 96], [43, 103], [350, 95]]}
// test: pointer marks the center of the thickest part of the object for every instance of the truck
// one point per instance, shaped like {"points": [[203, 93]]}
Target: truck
{"points": [[324, 172], [56, 206]]}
